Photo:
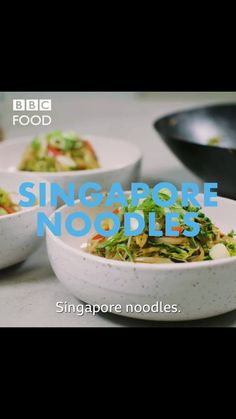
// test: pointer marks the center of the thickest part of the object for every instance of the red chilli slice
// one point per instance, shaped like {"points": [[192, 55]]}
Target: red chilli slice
{"points": [[54, 151], [99, 237], [9, 210], [180, 229]]}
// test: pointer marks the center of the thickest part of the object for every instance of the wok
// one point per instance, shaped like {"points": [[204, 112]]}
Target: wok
{"points": [[204, 139]]}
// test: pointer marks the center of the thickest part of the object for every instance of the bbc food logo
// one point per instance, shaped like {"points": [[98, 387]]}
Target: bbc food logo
{"points": [[23, 109]]}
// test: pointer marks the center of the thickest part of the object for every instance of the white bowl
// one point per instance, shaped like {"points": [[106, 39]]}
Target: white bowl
{"points": [[199, 289], [18, 231], [120, 162]]}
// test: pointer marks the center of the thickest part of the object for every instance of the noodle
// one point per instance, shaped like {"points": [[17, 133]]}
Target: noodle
{"points": [[175, 249]]}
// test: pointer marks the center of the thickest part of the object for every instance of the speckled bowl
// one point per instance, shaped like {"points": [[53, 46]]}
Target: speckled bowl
{"points": [[18, 231], [199, 289], [120, 162]]}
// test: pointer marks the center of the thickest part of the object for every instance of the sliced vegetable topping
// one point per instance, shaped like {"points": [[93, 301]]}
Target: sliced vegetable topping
{"points": [[58, 151]]}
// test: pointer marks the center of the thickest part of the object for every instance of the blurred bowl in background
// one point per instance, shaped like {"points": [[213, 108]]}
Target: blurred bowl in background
{"points": [[204, 139], [120, 162]]}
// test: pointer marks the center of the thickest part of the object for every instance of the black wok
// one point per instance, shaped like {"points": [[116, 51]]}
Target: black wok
{"points": [[189, 135]]}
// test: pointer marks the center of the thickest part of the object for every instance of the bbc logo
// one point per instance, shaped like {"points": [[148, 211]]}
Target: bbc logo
{"points": [[31, 105]]}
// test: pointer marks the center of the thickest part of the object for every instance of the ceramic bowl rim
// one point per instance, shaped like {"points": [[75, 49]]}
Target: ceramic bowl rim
{"points": [[74, 173]]}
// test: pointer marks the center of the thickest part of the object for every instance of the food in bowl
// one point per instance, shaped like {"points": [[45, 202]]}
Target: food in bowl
{"points": [[59, 152], [18, 228], [119, 160], [200, 289], [209, 244], [7, 205]]}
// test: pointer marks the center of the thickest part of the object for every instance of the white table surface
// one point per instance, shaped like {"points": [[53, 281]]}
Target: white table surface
{"points": [[29, 292]]}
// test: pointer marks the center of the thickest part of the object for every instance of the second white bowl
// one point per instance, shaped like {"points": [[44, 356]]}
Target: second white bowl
{"points": [[120, 162]]}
